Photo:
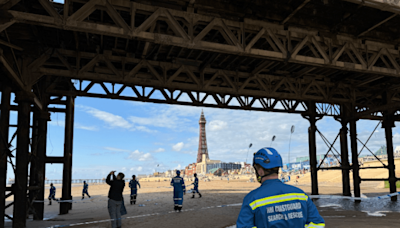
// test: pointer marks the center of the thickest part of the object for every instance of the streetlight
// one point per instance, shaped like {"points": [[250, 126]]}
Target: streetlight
{"points": [[273, 139], [290, 139], [248, 151]]}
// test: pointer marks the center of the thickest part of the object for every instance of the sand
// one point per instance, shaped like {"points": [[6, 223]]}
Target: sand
{"points": [[217, 208]]}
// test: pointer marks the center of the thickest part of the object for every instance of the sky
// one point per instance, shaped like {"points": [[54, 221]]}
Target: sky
{"points": [[141, 138]]}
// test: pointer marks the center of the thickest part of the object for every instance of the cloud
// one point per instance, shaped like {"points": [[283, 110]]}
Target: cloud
{"points": [[138, 169], [109, 118], [178, 147], [96, 154], [217, 125], [116, 149], [159, 150], [61, 123], [145, 129], [173, 117], [140, 156], [88, 128], [112, 120], [145, 157]]}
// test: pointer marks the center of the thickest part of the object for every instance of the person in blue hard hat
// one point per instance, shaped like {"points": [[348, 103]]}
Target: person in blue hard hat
{"points": [[133, 185], [85, 190], [196, 186], [275, 204], [179, 190], [52, 194]]}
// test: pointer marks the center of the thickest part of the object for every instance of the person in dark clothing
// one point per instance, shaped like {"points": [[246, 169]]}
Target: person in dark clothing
{"points": [[52, 193], [117, 185], [133, 185], [85, 190], [196, 186]]}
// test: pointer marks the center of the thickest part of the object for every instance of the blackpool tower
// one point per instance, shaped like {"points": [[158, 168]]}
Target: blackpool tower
{"points": [[202, 139]]}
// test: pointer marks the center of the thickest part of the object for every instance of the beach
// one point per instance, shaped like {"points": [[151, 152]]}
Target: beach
{"points": [[220, 204]]}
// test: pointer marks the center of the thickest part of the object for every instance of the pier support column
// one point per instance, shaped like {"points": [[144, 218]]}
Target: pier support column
{"points": [[388, 123], [38, 164], [344, 153], [68, 144], [311, 116], [4, 131], [354, 157], [22, 160]]}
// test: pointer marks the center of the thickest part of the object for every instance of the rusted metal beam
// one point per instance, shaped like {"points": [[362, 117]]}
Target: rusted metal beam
{"points": [[196, 42], [344, 152], [11, 45], [388, 124], [54, 160], [354, 156], [295, 11], [311, 116], [41, 164], [67, 169], [16, 78], [22, 160], [4, 133], [378, 24]]}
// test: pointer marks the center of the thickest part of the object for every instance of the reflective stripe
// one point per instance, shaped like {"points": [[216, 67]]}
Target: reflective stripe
{"points": [[277, 199], [313, 225], [177, 198]]}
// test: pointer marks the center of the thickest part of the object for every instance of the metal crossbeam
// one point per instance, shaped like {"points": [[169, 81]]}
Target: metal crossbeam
{"points": [[261, 30]]}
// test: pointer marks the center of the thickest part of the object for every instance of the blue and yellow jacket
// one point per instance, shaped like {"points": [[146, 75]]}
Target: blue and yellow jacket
{"points": [[178, 184], [133, 184], [275, 204], [52, 191]]}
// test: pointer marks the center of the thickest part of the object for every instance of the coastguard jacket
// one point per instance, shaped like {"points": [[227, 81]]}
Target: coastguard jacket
{"points": [[178, 184], [275, 204], [133, 184], [196, 182], [85, 187], [52, 191]]}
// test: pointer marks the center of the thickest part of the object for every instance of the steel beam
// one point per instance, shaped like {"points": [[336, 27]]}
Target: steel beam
{"points": [[4, 131], [67, 171], [76, 22], [34, 160], [354, 157], [312, 148], [344, 153], [41, 166], [388, 123], [22, 160], [54, 160], [17, 80], [38, 165]]}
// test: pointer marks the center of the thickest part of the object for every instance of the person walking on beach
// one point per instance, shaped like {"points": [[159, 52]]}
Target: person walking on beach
{"points": [[117, 185], [133, 185], [196, 186], [275, 204], [179, 190], [85, 190], [52, 194]]}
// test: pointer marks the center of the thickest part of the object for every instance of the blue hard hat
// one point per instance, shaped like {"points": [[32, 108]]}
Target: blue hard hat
{"points": [[178, 172], [268, 158]]}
